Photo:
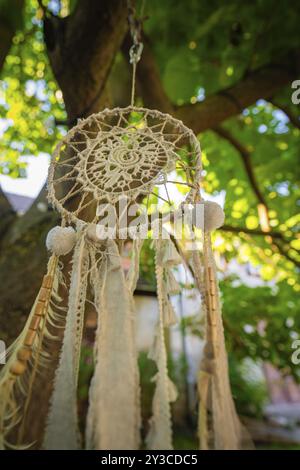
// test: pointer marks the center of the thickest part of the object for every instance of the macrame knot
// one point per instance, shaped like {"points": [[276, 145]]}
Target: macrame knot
{"points": [[61, 240]]}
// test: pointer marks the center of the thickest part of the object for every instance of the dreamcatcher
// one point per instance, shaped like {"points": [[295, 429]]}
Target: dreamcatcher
{"points": [[110, 163]]}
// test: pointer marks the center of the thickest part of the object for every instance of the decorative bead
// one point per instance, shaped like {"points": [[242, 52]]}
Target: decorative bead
{"points": [[29, 338], [24, 354], [39, 309], [47, 281], [18, 367], [43, 294], [61, 240], [35, 321]]}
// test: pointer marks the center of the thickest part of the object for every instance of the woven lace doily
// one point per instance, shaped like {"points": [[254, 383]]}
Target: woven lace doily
{"points": [[121, 152]]}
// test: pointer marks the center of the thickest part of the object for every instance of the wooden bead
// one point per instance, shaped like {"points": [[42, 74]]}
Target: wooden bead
{"points": [[211, 273], [212, 290], [35, 321], [43, 295], [29, 338], [24, 354], [18, 367], [214, 336], [47, 281], [39, 309], [213, 302]]}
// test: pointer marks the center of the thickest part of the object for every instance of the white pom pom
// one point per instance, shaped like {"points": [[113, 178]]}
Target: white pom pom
{"points": [[61, 240], [92, 234], [96, 234], [213, 216]]}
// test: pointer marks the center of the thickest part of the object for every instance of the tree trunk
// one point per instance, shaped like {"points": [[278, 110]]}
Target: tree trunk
{"points": [[10, 18]]}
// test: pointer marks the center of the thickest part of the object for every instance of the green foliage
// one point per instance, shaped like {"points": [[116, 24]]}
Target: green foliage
{"points": [[249, 392], [261, 322], [212, 44], [30, 100]]}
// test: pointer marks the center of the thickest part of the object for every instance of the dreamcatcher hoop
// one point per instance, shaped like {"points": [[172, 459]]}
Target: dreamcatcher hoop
{"points": [[120, 152]]}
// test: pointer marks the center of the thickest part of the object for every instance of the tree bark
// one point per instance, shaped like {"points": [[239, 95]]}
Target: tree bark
{"points": [[82, 49], [260, 84], [7, 215], [8, 25]]}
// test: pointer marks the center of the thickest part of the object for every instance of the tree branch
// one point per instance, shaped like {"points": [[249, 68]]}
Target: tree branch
{"points": [[253, 232], [246, 159], [261, 83], [150, 84], [277, 237]]}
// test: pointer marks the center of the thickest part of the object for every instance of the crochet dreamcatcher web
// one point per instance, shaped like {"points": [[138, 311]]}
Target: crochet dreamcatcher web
{"points": [[123, 152]]}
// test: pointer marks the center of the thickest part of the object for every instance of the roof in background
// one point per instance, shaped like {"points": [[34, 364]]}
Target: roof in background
{"points": [[19, 202]]}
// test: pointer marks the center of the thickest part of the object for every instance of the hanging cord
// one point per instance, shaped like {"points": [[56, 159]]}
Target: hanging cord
{"points": [[135, 52]]}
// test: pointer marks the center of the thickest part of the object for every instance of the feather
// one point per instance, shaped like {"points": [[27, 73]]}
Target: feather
{"points": [[62, 422], [27, 358]]}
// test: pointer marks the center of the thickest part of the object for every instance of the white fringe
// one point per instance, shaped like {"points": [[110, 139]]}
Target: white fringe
{"points": [[62, 423], [113, 417]]}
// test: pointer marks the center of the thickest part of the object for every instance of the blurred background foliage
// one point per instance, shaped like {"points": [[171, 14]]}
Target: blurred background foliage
{"points": [[201, 47]]}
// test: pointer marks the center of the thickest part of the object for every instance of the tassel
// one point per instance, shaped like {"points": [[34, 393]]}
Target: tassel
{"points": [[203, 385], [214, 383], [160, 432], [132, 279], [113, 417], [170, 256], [28, 357], [62, 423], [133, 273], [172, 285], [173, 392], [169, 316]]}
